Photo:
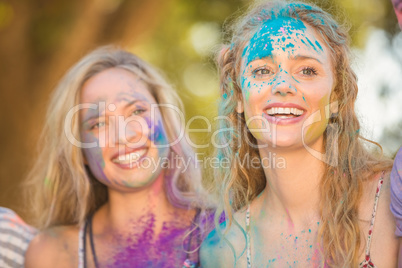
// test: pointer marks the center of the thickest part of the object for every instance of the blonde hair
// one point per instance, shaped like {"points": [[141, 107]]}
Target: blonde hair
{"points": [[341, 184], [62, 190]]}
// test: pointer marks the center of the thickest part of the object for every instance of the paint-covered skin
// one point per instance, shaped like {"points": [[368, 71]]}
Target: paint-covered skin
{"points": [[286, 63], [142, 246], [279, 245], [121, 124]]}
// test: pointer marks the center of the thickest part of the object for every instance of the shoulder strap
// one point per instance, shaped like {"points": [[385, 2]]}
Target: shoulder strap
{"points": [[82, 246], [195, 224], [91, 240], [248, 236], [377, 195]]}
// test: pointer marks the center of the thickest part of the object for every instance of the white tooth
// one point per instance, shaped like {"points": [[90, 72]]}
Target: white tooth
{"points": [[300, 112], [128, 158], [280, 110], [134, 156], [287, 111], [275, 110], [270, 111]]}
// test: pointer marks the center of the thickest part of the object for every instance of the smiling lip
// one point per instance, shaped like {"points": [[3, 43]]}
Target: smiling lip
{"points": [[129, 152], [284, 121]]}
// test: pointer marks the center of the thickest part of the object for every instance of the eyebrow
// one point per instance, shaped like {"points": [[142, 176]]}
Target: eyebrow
{"points": [[293, 58], [131, 103], [304, 57], [97, 114]]}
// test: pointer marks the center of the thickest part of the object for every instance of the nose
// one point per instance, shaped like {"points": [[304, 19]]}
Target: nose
{"points": [[125, 131], [132, 131], [283, 84]]}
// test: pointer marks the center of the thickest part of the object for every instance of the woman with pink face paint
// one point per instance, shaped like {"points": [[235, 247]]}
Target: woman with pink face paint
{"points": [[302, 189], [115, 184]]}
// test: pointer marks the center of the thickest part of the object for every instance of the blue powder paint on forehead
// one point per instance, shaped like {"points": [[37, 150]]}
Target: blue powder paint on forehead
{"points": [[260, 45], [311, 44], [290, 45], [318, 45]]}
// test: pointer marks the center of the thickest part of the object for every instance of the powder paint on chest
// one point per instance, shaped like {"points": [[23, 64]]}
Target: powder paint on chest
{"points": [[145, 248], [292, 249]]}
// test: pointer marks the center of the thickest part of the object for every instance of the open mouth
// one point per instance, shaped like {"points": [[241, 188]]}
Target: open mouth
{"points": [[284, 113], [130, 158]]}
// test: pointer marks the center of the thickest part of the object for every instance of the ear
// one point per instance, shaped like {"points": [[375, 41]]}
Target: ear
{"points": [[240, 107], [333, 107]]}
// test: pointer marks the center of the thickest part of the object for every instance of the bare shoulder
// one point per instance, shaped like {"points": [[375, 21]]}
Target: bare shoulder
{"points": [[54, 247], [224, 247], [383, 236]]}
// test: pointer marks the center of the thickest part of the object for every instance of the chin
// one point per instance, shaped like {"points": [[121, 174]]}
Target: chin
{"points": [[131, 186], [283, 141]]}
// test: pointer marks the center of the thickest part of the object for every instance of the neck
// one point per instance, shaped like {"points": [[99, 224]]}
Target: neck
{"points": [[125, 208], [293, 188]]}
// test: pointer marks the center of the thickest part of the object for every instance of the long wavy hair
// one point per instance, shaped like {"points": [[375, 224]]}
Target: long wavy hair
{"points": [[341, 183], [61, 188]]}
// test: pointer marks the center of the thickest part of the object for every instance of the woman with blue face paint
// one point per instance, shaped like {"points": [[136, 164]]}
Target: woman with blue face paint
{"points": [[302, 189], [115, 184]]}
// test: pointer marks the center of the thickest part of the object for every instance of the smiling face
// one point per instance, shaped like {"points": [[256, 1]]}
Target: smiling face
{"points": [[128, 143], [286, 77]]}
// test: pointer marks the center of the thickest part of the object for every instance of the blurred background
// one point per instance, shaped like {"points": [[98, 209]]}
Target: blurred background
{"points": [[41, 39]]}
